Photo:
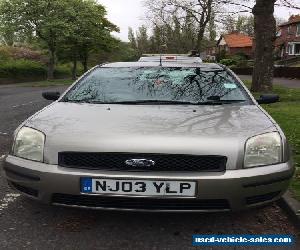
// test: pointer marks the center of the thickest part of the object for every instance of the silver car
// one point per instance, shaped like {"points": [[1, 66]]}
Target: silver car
{"points": [[139, 136]]}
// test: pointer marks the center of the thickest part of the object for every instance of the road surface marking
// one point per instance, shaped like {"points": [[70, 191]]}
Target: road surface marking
{"points": [[8, 198]]}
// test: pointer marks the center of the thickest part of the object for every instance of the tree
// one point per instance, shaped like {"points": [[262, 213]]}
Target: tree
{"points": [[131, 38], [89, 31], [199, 12], [241, 24], [79, 25], [120, 52], [195, 18], [45, 18], [142, 40], [212, 29], [245, 25], [8, 36], [229, 24], [265, 35]]}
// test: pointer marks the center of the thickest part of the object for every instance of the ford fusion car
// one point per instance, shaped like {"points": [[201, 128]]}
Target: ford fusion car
{"points": [[149, 137]]}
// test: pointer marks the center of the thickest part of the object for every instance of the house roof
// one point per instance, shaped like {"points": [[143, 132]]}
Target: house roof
{"points": [[237, 40], [293, 19]]}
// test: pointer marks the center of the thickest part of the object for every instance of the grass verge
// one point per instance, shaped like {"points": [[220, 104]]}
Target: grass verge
{"points": [[287, 114]]}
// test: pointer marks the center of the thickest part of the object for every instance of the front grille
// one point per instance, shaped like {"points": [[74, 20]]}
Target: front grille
{"points": [[139, 203], [261, 198], [163, 162]]}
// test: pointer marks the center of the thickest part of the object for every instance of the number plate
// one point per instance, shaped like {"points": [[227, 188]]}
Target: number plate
{"points": [[138, 187]]}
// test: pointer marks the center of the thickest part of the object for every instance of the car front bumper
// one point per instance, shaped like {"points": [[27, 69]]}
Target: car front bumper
{"points": [[232, 190]]}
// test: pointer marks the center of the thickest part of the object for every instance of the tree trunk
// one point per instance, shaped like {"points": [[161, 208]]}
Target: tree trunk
{"points": [[204, 20], [200, 37], [74, 69], [51, 64], [85, 65], [84, 60], [265, 35]]}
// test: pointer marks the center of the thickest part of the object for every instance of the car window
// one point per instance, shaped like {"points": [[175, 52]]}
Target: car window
{"points": [[157, 83]]}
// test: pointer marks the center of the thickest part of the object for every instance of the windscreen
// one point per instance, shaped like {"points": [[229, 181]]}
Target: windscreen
{"points": [[115, 85]]}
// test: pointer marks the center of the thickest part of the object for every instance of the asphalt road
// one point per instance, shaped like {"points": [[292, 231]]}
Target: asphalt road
{"points": [[25, 224]]}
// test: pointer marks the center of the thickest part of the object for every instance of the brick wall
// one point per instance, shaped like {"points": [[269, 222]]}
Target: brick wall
{"points": [[288, 34], [245, 50]]}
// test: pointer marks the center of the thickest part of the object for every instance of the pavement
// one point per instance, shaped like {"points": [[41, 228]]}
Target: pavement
{"points": [[26, 224], [292, 206], [290, 83]]}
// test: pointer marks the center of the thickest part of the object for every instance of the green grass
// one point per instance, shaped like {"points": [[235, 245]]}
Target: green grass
{"points": [[287, 114], [47, 83]]}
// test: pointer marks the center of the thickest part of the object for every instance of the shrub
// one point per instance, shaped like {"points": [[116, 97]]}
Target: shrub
{"points": [[221, 55], [27, 53], [241, 56], [242, 63], [16, 53], [62, 71], [228, 62], [237, 60], [4, 54], [22, 68], [65, 70]]}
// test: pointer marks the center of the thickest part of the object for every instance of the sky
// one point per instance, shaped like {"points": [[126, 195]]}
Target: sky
{"points": [[131, 13]]}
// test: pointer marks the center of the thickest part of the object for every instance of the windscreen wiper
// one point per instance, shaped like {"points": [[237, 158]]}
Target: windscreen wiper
{"points": [[217, 99], [81, 101]]}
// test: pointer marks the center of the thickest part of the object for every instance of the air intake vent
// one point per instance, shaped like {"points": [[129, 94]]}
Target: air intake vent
{"points": [[261, 198], [26, 190], [139, 203]]}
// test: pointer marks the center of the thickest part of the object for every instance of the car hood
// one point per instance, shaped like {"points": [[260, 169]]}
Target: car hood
{"points": [[205, 130]]}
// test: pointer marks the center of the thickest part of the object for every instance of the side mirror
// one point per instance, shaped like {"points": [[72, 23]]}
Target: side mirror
{"points": [[268, 99], [51, 96]]}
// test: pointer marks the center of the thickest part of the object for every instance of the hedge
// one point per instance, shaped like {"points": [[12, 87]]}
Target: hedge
{"points": [[21, 68], [286, 72], [14, 71]]}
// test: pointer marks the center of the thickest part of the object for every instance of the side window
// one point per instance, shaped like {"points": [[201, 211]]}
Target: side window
{"points": [[290, 49], [297, 49], [298, 29], [279, 33]]}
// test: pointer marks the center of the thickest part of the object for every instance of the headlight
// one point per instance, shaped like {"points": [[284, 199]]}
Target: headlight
{"points": [[29, 144], [261, 150]]}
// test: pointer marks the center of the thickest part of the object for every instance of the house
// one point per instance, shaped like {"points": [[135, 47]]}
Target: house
{"points": [[210, 53], [288, 38], [236, 43]]}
